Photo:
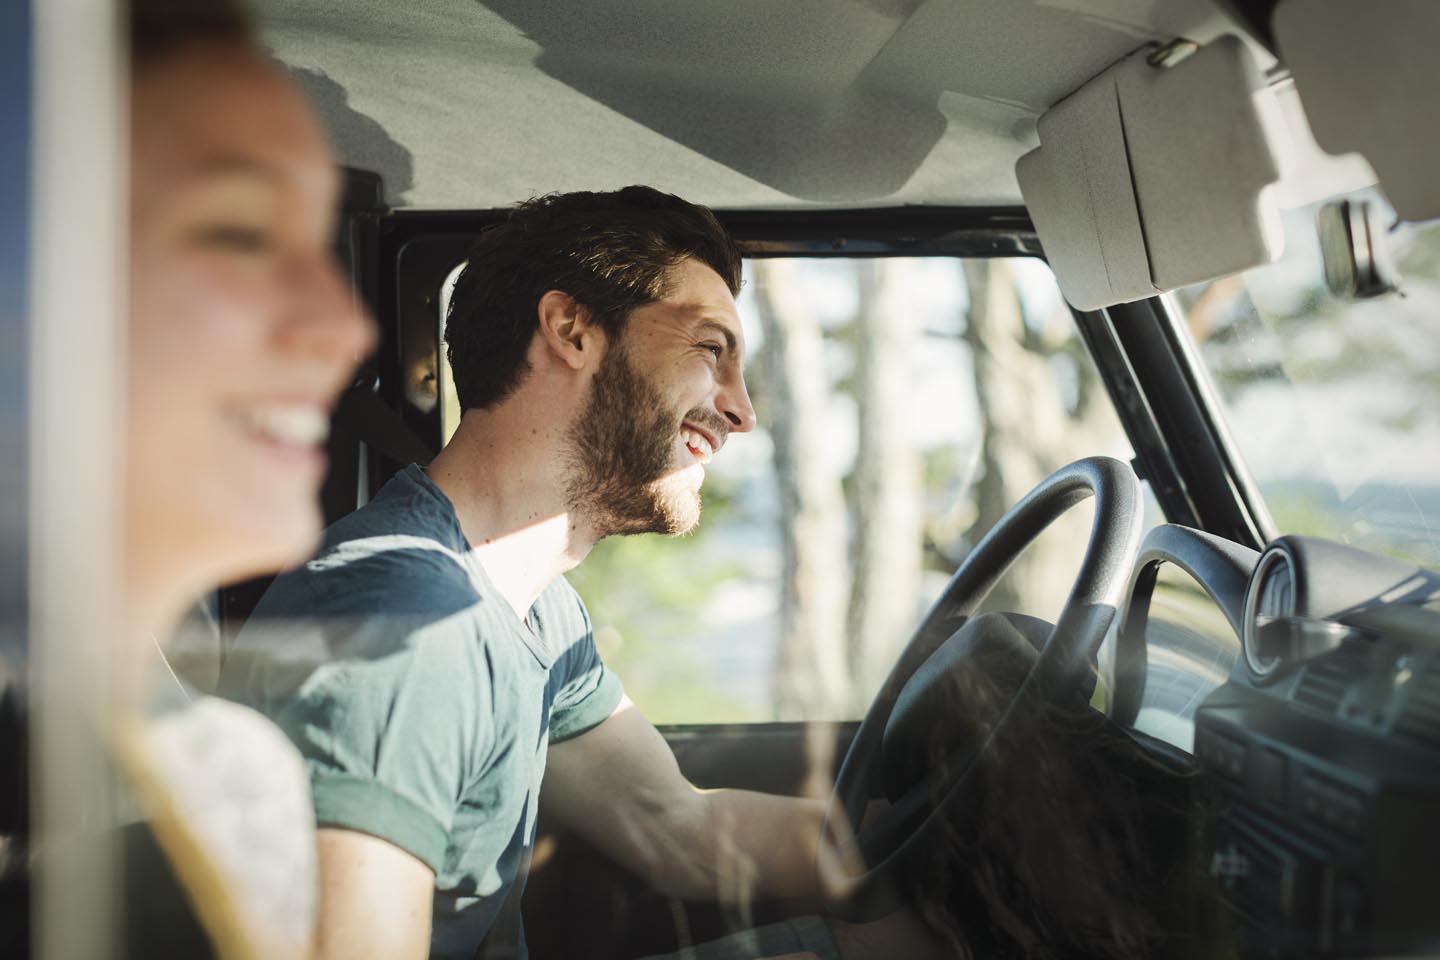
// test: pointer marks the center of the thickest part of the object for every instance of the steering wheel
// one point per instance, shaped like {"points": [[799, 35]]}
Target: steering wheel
{"points": [[916, 821]]}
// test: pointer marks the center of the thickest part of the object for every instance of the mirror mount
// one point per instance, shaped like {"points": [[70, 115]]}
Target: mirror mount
{"points": [[1355, 245]]}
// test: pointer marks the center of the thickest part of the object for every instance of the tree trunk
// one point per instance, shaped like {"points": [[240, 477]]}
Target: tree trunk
{"points": [[1027, 433], [811, 679], [886, 487]]}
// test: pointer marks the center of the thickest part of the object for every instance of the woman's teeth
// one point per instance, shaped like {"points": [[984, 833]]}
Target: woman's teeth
{"points": [[699, 446], [294, 425]]}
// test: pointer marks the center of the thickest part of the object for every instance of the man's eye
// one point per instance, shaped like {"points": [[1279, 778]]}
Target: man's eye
{"points": [[714, 349], [235, 238]]}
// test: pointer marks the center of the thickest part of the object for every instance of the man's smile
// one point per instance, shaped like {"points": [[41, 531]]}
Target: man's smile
{"points": [[700, 444]]}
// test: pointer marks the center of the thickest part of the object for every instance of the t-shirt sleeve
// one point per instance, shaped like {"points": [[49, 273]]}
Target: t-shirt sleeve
{"points": [[391, 740], [589, 692]]}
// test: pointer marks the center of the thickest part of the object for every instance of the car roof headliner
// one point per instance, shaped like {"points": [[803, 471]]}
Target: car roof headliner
{"points": [[743, 104]]}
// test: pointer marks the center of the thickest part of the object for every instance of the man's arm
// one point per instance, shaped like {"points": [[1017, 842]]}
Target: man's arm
{"points": [[374, 898], [618, 786]]}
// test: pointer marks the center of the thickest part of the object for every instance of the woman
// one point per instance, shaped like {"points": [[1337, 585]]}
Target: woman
{"points": [[242, 331]]}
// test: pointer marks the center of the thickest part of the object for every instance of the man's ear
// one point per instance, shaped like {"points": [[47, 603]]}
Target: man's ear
{"points": [[567, 330]]}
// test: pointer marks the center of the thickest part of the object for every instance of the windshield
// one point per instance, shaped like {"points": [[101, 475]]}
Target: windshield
{"points": [[1334, 404]]}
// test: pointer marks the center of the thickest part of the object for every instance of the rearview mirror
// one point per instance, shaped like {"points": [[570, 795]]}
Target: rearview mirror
{"points": [[1354, 243]]}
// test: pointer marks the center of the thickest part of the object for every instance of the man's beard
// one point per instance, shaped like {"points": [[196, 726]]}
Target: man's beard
{"points": [[623, 451]]}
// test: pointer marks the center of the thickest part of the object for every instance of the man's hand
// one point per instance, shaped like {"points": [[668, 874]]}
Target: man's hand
{"points": [[375, 899], [618, 786]]}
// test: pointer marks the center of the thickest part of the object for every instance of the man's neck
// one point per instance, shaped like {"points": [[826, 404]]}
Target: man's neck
{"points": [[509, 497]]}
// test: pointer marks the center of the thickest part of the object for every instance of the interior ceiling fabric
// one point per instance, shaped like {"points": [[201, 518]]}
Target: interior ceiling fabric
{"points": [[460, 104], [1370, 80]]}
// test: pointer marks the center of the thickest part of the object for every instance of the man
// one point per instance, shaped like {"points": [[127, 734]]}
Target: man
{"points": [[431, 662]]}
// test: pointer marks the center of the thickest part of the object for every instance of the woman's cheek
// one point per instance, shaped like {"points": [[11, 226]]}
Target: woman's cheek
{"points": [[227, 309]]}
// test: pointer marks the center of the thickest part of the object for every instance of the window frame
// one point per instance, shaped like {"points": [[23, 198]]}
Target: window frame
{"points": [[1175, 421], [72, 126]]}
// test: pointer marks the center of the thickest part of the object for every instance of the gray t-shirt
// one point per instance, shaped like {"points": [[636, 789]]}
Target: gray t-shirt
{"points": [[421, 704]]}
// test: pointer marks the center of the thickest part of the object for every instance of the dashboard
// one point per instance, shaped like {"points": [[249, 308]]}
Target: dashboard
{"points": [[1309, 691]]}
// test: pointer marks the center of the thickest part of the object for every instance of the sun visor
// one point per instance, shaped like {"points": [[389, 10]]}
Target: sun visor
{"points": [[1149, 178], [1369, 78]]}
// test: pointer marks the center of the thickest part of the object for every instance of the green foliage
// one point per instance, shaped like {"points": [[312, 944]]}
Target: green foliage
{"points": [[643, 594]]}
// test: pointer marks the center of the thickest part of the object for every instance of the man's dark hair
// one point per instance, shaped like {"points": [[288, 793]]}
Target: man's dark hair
{"points": [[159, 28], [612, 252]]}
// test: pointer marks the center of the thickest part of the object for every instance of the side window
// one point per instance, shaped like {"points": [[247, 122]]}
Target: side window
{"points": [[904, 405]]}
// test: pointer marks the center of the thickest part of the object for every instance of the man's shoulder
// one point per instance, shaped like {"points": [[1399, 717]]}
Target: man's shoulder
{"points": [[401, 552], [560, 593], [563, 632], [407, 506], [559, 609]]}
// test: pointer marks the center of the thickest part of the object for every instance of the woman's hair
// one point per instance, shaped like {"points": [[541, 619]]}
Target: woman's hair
{"points": [[159, 28], [1065, 840]]}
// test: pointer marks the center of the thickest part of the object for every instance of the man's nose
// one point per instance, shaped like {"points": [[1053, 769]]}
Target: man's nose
{"points": [[734, 403], [327, 319]]}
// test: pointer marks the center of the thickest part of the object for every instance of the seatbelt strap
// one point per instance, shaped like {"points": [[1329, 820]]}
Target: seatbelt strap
{"points": [[367, 418]]}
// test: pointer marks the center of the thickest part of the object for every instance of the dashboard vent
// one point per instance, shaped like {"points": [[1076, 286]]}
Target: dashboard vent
{"points": [[1325, 681], [1419, 718]]}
